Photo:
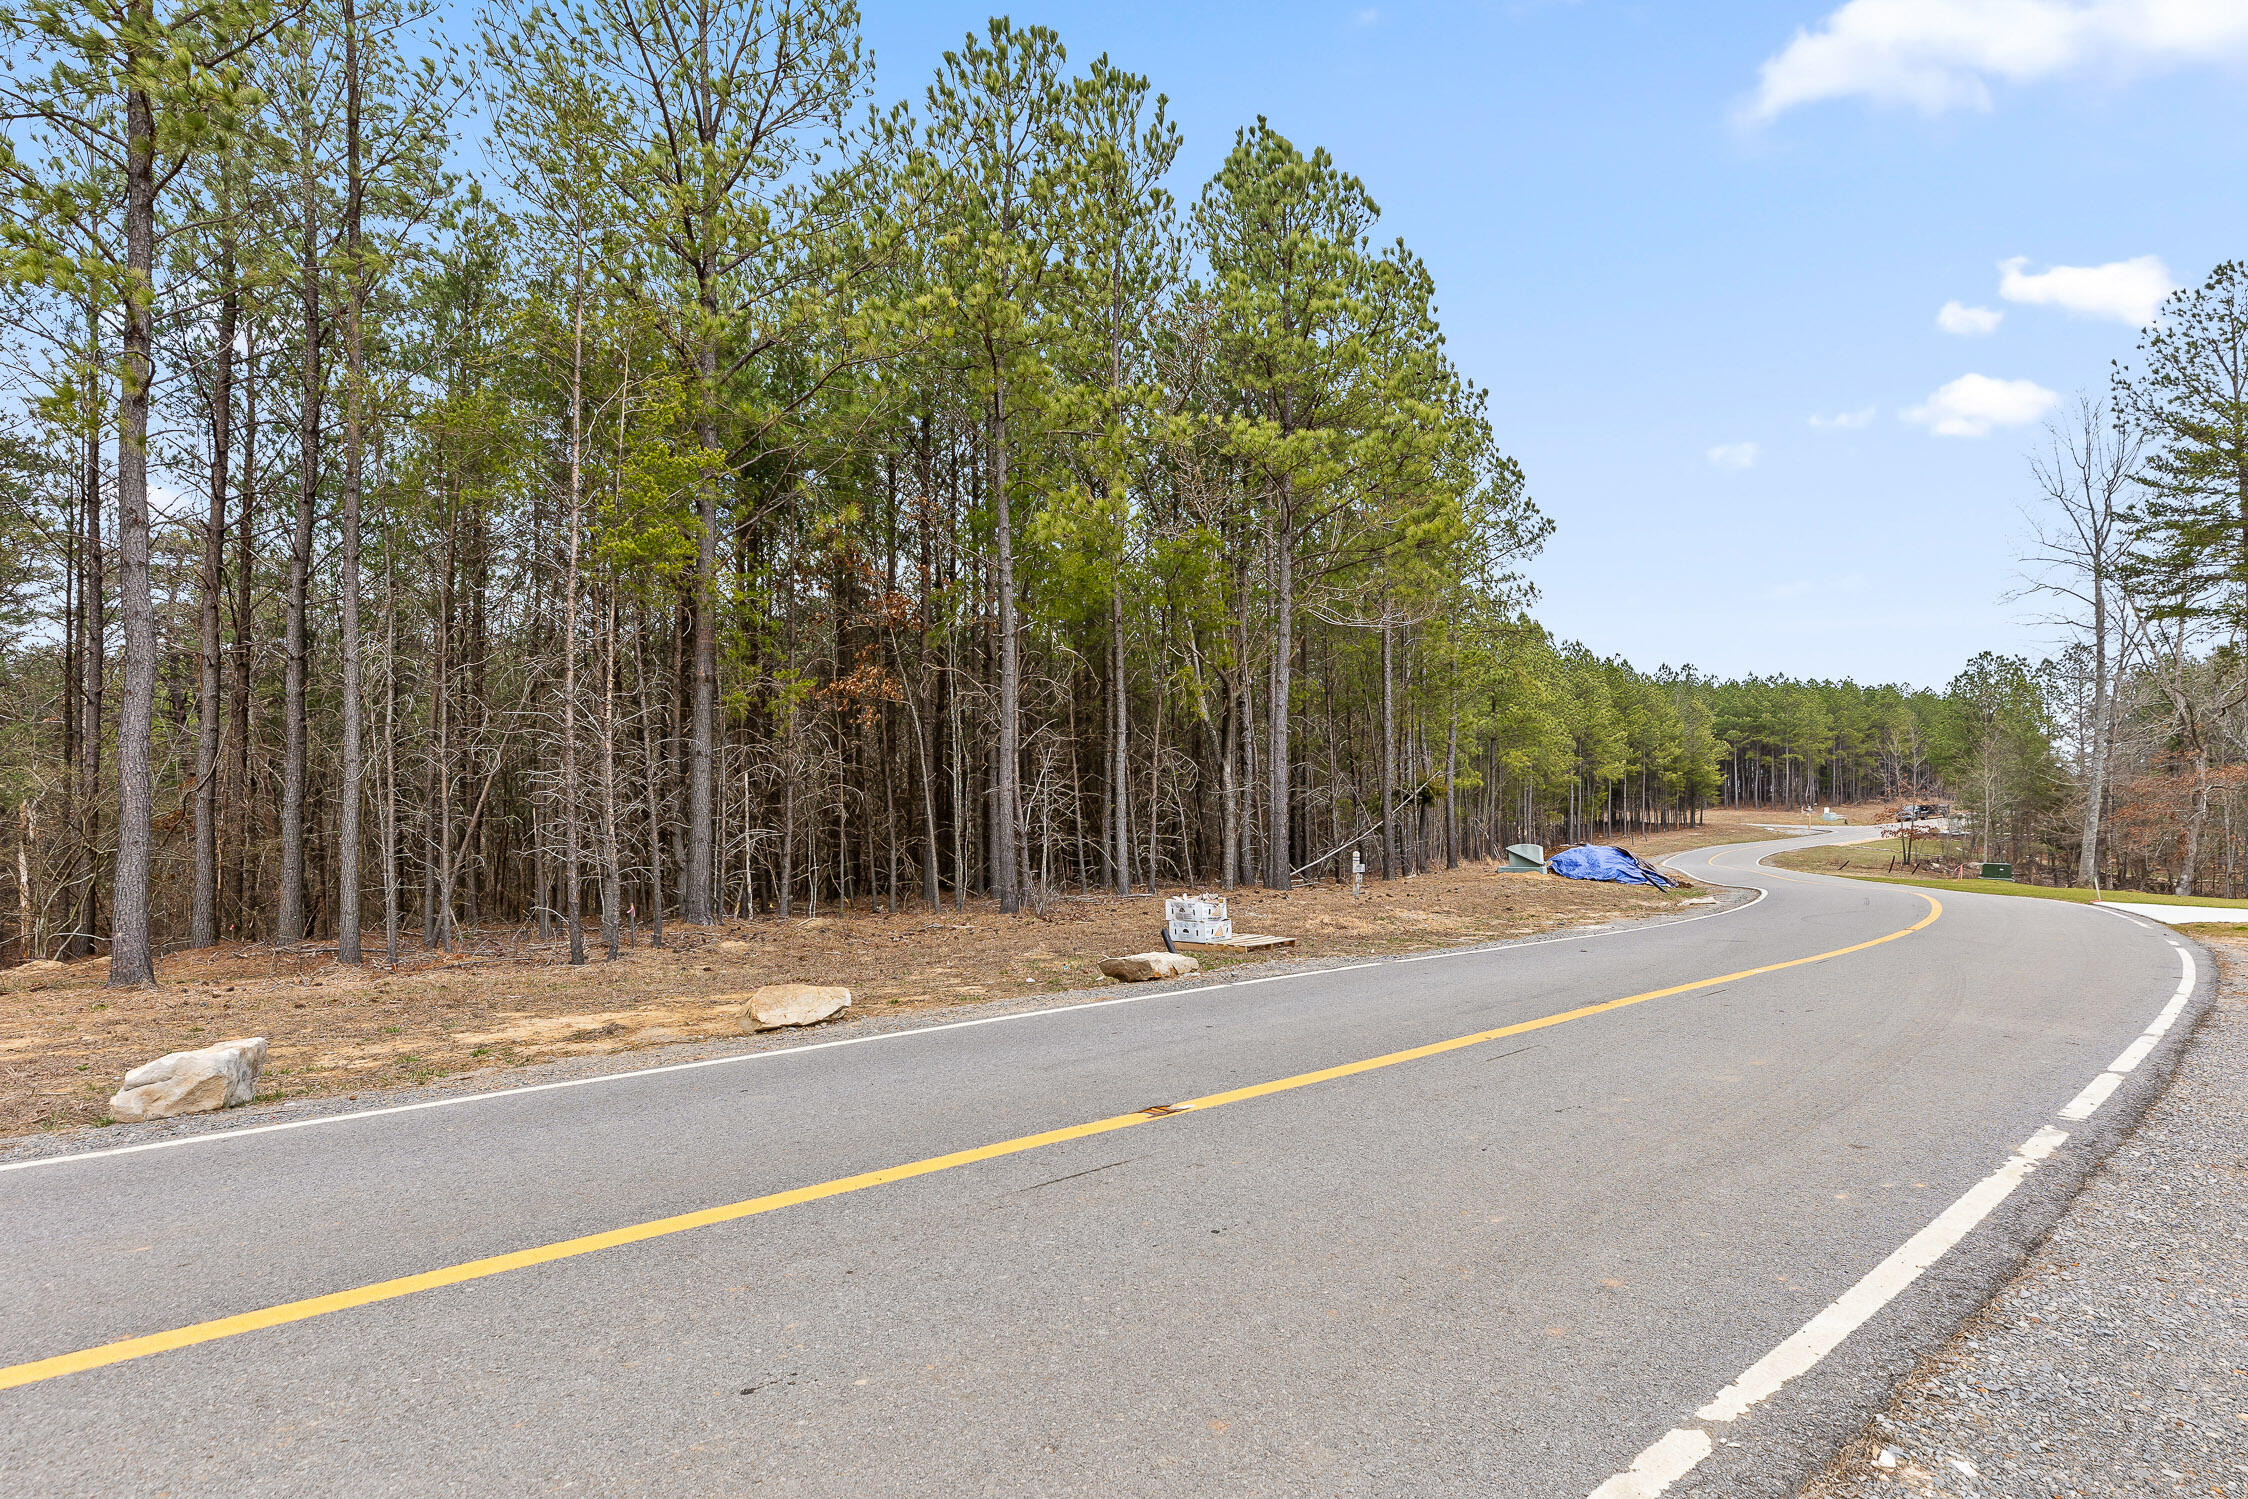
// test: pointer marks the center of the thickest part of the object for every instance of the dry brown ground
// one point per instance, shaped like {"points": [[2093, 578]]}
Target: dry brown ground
{"points": [[505, 1001], [1743, 825]]}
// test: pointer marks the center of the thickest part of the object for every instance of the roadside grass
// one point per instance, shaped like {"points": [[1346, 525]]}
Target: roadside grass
{"points": [[1971, 887], [1866, 861]]}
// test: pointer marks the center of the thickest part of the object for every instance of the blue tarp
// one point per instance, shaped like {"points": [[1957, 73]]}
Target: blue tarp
{"points": [[1594, 861]]}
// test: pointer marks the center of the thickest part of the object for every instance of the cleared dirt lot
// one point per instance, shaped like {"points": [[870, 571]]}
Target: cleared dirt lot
{"points": [[505, 999]]}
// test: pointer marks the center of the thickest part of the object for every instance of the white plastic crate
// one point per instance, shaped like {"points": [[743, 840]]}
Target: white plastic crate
{"points": [[1197, 918]]}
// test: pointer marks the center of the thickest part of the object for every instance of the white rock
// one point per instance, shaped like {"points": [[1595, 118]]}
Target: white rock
{"points": [[777, 1005], [217, 1076], [1142, 966]]}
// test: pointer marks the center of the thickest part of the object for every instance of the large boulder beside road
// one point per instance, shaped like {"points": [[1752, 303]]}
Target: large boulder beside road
{"points": [[1140, 967], [777, 1005], [217, 1076]]}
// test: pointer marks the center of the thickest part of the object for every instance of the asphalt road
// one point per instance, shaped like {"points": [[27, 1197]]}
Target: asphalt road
{"points": [[1500, 1269]]}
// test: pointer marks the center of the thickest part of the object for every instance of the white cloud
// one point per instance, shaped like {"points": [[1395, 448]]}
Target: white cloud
{"points": [[2130, 291], [1862, 417], [1734, 455], [1935, 55], [1968, 322], [1367, 17], [1795, 588], [1973, 404]]}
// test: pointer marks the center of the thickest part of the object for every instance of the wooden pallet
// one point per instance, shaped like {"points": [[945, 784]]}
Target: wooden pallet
{"points": [[1240, 942]]}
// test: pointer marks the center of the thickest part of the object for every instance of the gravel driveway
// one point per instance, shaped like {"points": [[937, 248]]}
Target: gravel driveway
{"points": [[2116, 1362]]}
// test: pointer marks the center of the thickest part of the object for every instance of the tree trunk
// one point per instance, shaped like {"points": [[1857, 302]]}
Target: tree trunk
{"points": [[2190, 853], [1004, 875], [1277, 771], [787, 882], [354, 438], [929, 872], [1120, 763], [612, 876], [1451, 783], [132, 954], [2095, 776], [93, 644], [203, 919], [238, 873], [1389, 752], [390, 754], [289, 918], [695, 876], [570, 840], [439, 896], [654, 779], [27, 948], [1229, 789]]}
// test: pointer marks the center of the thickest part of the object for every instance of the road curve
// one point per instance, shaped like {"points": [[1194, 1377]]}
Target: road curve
{"points": [[1513, 1266]]}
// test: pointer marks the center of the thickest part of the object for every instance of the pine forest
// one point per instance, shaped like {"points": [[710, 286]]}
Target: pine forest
{"points": [[621, 474]]}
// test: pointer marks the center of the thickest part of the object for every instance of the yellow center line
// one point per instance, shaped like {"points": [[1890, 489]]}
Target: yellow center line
{"points": [[522, 1259]]}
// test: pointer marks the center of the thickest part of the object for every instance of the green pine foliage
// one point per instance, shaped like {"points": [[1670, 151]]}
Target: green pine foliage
{"points": [[763, 499]]}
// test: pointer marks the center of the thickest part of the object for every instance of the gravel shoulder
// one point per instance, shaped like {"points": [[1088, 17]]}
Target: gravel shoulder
{"points": [[2116, 1360]]}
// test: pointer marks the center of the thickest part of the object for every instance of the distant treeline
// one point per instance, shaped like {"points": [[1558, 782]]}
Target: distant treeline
{"points": [[822, 504]]}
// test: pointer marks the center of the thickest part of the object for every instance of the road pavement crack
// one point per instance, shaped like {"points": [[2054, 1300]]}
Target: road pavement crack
{"points": [[1074, 1175]]}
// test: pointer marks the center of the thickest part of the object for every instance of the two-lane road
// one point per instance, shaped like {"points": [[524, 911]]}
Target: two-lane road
{"points": [[1461, 1224]]}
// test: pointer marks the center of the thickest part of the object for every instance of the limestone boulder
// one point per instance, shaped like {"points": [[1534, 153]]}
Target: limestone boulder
{"points": [[217, 1076], [1140, 967], [777, 1005]]}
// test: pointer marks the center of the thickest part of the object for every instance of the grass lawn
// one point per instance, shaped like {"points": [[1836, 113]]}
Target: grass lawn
{"points": [[1867, 861]]}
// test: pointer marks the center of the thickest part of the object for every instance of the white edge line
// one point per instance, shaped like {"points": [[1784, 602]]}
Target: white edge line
{"points": [[1880, 1285], [2098, 1091], [223, 1135], [1678, 1452], [2095, 1093], [1669, 1459], [2136, 1052]]}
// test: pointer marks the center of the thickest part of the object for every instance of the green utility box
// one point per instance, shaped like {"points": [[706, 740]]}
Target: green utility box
{"points": [[1998, 871]]}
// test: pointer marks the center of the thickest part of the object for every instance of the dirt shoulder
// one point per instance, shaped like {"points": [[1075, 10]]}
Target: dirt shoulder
{"points": [[506, 1000], [2116, 1360]]}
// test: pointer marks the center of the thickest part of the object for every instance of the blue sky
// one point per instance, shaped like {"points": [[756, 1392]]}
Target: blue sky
{"points": [[1650, 272]]}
